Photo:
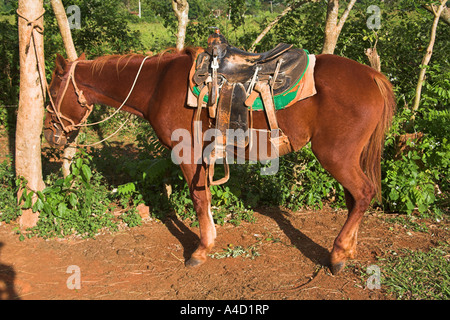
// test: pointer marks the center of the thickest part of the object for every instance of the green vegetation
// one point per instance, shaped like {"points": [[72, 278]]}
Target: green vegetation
{"points": [[237, 251], [418, 275], [107, 184], [80, 204], [415, 165]]}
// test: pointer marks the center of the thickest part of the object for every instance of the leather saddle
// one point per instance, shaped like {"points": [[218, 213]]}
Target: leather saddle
{"points": [[229, 80], [238, 66]]}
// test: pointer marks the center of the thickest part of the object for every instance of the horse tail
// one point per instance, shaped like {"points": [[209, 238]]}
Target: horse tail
{"points": [[371, 155]]}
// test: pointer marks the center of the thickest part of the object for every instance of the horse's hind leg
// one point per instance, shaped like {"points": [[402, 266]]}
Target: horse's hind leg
{"points": [[201, 197], [344, 166]]}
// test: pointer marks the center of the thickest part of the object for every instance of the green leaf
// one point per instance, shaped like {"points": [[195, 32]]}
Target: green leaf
{"points": [[38, 205], [393, 195], [86, 172], [422, 208], [41, 195], [28, 200], [73, 200], [79, 162], [47, 208], [62, 208]]}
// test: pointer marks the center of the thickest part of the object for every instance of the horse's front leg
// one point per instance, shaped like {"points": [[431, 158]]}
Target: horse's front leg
{"points": [[195, 175]]}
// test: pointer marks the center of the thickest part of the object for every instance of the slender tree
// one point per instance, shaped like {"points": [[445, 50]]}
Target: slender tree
{"points": [[31, 100], [445, 14], [437, 11], [334, 24], [63, 23], [181, 9]]}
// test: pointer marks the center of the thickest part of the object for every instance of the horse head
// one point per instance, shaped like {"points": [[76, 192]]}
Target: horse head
{"points": [[68, 106]]}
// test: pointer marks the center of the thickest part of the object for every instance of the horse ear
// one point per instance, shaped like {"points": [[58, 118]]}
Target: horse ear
{"points": [[61, 64], [82, 56]]}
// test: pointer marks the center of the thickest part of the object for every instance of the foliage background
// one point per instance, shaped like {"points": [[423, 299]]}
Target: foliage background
{"points": [[415, 170]]}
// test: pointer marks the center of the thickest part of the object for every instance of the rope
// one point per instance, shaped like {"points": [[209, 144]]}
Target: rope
{"points": [[38, 25], [103, 140], [113, 114], [35, 24], [123, 103]]}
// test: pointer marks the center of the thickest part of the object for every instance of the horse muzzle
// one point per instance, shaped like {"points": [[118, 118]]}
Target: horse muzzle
{"points": [[54, 133]]}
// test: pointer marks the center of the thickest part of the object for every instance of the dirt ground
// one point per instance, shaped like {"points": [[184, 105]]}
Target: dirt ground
{"points": [[288, 258], [147, 262]]}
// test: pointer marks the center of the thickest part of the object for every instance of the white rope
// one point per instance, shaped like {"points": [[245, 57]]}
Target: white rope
{"points": [[123, 103]]}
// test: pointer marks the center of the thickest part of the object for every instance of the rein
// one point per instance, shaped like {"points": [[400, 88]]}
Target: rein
{"points": [[55, 108]]}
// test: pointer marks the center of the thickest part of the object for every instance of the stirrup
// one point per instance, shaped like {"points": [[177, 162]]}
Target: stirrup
{"points": [[210, 168]]}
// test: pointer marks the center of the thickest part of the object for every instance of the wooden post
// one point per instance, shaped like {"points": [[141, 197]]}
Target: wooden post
{"points": [[31, 100]]}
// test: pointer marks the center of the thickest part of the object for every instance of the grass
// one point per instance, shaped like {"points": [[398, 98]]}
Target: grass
{"points": [[409, 222], [418, 275], [154, 36], [237, 251]]}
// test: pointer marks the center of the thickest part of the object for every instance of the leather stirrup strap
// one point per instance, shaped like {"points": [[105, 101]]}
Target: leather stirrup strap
{"points": [[281, 141], [197, 130], [266, 95]]}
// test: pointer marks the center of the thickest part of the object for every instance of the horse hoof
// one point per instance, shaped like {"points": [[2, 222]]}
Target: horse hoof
{"points": [[337, 267], [192, 262]]}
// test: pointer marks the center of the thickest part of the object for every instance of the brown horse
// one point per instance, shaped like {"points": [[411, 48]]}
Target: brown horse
{"points": [[345, 122]]}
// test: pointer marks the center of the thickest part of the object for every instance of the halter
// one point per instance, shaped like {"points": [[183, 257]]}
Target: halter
{"points": [[56, 108]]}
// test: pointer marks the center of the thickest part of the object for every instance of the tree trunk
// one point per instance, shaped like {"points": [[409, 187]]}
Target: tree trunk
{"points": [[31, 101], [374, 58], [372, 55], [181, 9], [333, 25], [63, 23], [426, 59]]}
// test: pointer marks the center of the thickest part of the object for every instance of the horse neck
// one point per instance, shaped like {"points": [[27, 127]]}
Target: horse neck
{"points": [[109, 82]]}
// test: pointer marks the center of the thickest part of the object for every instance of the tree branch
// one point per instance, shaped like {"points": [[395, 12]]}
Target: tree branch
{"points": [[445, 14], [63, 23], [288, 9], [345, 15]]}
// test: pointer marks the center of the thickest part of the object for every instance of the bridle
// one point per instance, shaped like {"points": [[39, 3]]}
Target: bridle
{"points": [[55, 107]]}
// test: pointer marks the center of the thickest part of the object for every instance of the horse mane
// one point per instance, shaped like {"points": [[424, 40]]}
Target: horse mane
{"points": [[98, 63]]}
